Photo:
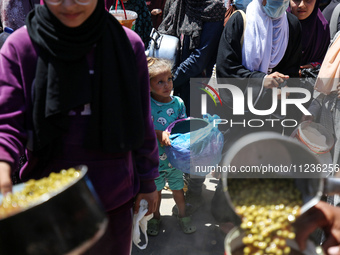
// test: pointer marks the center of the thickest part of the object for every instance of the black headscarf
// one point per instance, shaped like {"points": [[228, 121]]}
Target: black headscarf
{"points": [[63, 82], [315, 36], [187, 17]]}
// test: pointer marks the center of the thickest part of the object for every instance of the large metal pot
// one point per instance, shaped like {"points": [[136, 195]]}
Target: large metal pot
{"points": [[291, 159], [233, 244], [163, 46], [67, 222]]}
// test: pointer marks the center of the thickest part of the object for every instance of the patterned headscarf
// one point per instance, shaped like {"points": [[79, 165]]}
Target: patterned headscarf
{"points": [[187, 17], [13, 12]]}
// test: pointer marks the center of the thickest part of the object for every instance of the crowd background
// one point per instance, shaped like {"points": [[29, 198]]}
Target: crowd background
{"points": [[292, 43]]}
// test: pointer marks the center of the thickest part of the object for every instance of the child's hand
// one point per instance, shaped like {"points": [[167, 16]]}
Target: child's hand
{"points": [[163, 137], [274, 80]]}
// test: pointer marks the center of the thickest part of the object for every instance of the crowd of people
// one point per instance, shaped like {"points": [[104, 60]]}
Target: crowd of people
{"points": [[67, 96]]}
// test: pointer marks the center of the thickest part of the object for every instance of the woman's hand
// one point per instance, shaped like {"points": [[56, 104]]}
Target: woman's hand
{"points": [[274, 80], [151, 198], [163, 137], [5, 178], [156, 11]]}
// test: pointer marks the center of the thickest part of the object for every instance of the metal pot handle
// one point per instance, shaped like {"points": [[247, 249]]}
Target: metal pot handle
{"points": [[155, 35]]}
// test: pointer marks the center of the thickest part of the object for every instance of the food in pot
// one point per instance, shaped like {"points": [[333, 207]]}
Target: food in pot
{"points": [[35, 191], [239, 251], [267, 207]]}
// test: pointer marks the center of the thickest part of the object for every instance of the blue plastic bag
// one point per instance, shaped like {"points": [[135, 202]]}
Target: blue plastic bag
{"points": [[196, 152]]}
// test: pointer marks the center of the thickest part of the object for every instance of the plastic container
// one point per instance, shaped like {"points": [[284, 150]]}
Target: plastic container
{"points": [[315, 136], [317, 139], [128, 21]]}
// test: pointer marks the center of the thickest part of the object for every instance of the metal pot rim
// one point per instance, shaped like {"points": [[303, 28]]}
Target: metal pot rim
{"points": [[47, 196], [237, 232]]}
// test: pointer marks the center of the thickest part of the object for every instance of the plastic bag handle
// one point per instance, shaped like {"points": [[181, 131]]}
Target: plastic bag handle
{"points": [[140, 222], [122, 6]]}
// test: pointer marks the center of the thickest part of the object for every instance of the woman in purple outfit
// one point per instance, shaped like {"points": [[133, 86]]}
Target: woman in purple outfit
{"points": [[67, 97], [315, 31]]}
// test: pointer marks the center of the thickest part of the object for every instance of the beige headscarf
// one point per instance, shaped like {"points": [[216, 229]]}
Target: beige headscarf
{"points": [[329, 74]]}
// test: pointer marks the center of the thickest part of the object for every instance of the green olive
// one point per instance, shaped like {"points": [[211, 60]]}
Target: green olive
{"points": [[35, 191], [267, 208]]}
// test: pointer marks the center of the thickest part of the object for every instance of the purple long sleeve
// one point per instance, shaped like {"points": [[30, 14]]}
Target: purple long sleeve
{"points": [[117, 178], [142, 157]]}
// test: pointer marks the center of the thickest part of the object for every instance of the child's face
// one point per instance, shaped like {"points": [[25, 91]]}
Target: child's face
{"points": [[161, 87], [72, 14]]}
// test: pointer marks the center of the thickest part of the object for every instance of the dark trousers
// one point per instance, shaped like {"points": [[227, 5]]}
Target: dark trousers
{"points": [[195, 184]]}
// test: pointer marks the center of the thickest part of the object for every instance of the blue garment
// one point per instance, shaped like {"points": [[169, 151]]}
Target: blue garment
{"points": [[199, 62], [241, 4], [275, 8], [163, 114]]}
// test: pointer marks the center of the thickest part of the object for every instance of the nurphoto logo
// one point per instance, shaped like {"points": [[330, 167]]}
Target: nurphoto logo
{"points": [[245, 102]]}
